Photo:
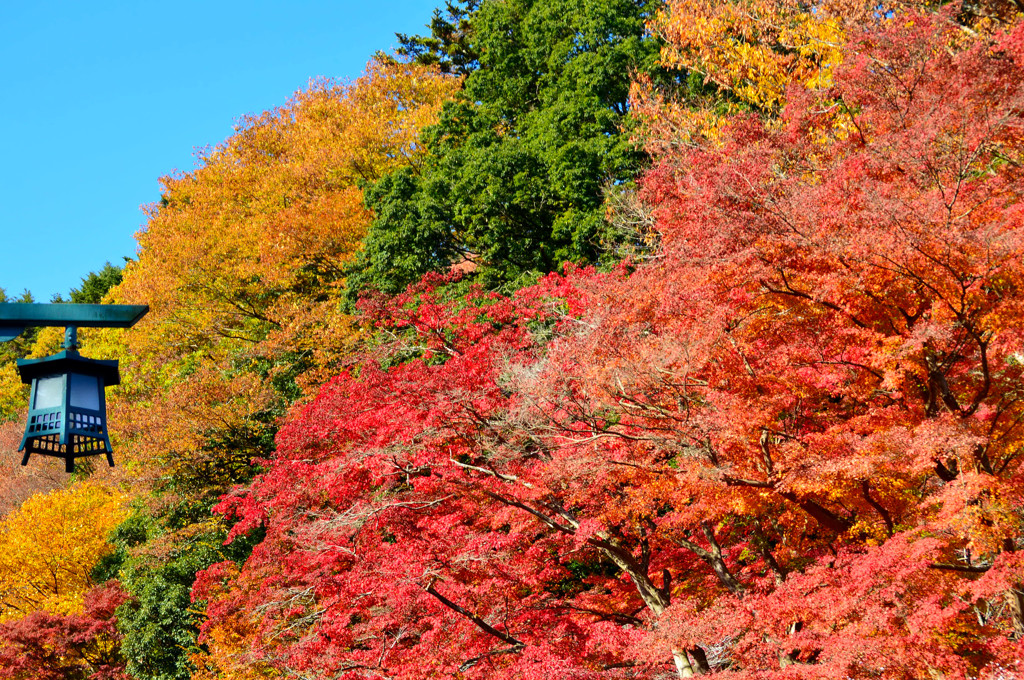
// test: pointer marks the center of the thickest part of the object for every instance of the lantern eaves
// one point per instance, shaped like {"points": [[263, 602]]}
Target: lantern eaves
{"points": [[69, 361], [70, 314]]}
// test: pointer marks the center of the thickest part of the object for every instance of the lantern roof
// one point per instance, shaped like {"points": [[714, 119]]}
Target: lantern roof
{"points": [[69, 361]]}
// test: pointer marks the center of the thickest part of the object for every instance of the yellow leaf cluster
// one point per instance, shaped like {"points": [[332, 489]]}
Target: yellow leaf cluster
{"points": [[49, 546], [13, 395], [752, 48], [753, 51], [49, 341]]}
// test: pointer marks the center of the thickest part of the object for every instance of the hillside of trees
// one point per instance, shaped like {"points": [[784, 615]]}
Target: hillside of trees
{"points": [[594, 340]]}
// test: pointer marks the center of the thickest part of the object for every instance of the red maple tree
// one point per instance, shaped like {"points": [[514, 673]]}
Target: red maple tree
{"points": [[788, 447]]}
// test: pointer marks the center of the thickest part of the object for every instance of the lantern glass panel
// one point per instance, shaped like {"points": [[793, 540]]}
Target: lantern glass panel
{"points": [[85, 391], [49, 391]]}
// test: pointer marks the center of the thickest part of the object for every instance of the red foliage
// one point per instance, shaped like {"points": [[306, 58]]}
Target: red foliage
{"points": [[43, 646], [419, 545], [787, 448]]}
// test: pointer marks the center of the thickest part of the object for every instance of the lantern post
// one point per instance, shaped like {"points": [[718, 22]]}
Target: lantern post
{"points": [[67, 416]]}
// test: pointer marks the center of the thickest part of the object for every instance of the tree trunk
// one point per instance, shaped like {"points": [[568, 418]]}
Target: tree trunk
{"points": [[713, 558], [700, 659], [657, 600], [786, 658], [1014, 600], [683, 667], [1015, 606]]}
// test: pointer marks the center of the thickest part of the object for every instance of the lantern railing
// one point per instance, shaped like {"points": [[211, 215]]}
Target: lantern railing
{"points": [[67, 416]]}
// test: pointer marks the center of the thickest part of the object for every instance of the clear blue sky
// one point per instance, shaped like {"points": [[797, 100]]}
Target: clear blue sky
{"points": [[100, 99]]}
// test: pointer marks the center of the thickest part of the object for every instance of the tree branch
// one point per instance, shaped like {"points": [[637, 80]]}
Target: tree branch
{"points": [[886, 517], [480, 623], [967, 568]]}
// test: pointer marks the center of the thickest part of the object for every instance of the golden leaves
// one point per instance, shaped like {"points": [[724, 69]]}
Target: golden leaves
{"points": [[275, 212], [49, 546], [751, 49]]}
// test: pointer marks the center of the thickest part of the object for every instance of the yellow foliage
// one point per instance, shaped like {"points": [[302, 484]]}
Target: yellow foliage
{"points": [[49, 546], [49, 341], [753, 51], [271, 217], [752, 48], [13, 394]]}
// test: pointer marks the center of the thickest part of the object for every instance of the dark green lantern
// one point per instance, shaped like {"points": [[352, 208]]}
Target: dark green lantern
{"points": [[67, 416]]}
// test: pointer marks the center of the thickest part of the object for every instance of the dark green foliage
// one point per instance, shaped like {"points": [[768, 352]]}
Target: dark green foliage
{"points": [[156, 562], [225, 460], [132, 532], [95, 286], [449, 45], [25, 296], [158, 552], [517, 168]]}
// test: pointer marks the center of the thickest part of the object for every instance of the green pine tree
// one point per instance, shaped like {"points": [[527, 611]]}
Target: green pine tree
{"points": [[515, 179]]}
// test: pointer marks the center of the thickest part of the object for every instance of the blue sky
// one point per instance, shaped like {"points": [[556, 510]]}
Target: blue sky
{"points": [[100, 99]]}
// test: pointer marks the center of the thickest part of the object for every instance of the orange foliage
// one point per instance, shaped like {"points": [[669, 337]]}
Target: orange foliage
{"points": [[242, 264], [229, 642], [273, 214]]}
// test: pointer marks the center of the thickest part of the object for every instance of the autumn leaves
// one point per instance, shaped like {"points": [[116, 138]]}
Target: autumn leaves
{"points": [[786, 446], [782, 443]]}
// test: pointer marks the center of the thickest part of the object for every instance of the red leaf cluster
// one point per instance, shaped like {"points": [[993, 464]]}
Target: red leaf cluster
{"points": [[44, 646]]}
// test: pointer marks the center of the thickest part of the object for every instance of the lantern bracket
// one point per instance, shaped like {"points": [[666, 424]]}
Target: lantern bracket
{"points": [[10, 332]]}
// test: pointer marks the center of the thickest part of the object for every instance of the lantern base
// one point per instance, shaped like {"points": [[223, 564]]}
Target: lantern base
{"points": [[78, 447]]}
